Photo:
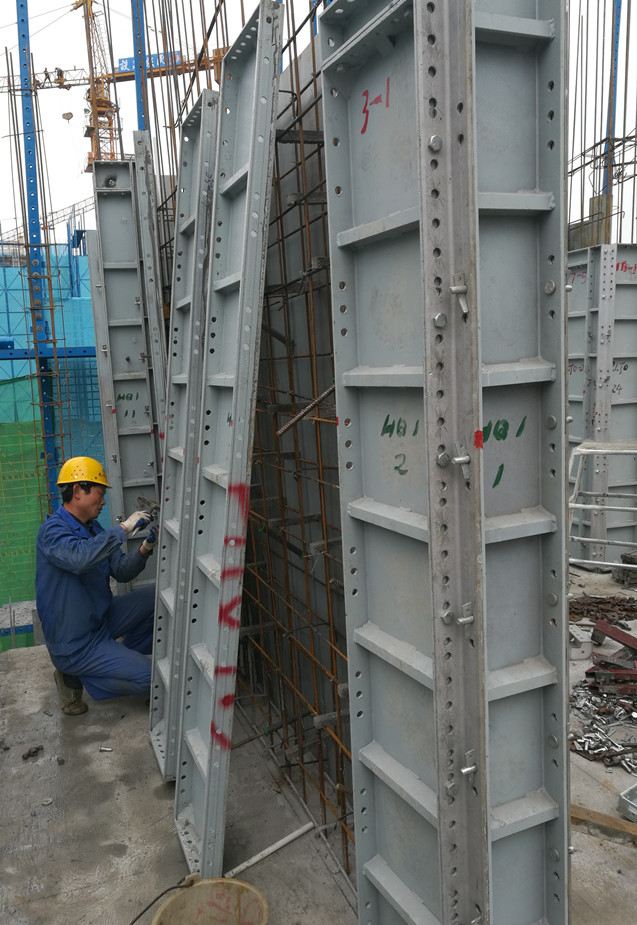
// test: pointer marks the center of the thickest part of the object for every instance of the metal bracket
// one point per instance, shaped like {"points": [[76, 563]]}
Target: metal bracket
{"points": [[467, 617], [459, 289], [461, 459], [470, 766]]}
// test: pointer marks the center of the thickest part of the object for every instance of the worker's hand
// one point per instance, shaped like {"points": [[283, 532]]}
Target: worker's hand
{"points": [[136, 521], [149, 542]]}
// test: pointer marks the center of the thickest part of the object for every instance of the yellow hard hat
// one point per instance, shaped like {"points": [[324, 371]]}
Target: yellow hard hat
{"points": [[82, 469]]}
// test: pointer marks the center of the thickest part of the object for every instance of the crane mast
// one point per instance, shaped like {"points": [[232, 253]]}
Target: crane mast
{"points": [[101, 127]]}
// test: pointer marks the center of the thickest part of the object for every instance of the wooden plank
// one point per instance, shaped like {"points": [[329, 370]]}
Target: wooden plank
{"points": [[581, 814]]}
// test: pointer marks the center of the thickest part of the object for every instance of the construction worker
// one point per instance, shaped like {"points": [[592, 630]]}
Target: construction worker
{"points": [[47, 77], [81, 619]]}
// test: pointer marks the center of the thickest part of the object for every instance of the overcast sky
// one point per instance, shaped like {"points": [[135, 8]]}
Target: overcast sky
{"points": [[58, 40]]}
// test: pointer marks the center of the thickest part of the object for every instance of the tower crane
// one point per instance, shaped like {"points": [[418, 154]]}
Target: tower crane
{"points": [[102, 126]]}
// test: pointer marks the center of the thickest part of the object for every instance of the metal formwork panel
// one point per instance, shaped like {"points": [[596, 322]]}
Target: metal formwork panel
{"points": [[602, 387], [146, 201], [241, 198], [444, 156], [185, 371], [124, 366]]}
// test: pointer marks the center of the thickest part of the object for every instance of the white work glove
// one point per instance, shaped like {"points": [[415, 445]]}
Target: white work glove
{"points": [[136, 521], [149, 542]]}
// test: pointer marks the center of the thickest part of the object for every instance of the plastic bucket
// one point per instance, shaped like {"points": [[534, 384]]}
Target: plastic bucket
{"points": [[215, 902]]}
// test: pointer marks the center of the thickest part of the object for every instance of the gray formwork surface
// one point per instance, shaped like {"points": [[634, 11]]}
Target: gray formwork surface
{"points": [[447, 260], [180, 433], [124, 364], [602, 386], [210, 609], [146, 200]]}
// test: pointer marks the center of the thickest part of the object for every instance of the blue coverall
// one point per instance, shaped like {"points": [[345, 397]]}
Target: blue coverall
{"points": [[80, 617]]}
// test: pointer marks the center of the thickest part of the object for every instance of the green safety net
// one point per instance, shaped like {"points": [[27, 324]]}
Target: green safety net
{"points": [[23, 502]]}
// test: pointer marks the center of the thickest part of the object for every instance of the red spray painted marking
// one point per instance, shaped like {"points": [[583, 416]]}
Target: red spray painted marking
{"points": [[220, 738], [227, 701], [242, 493], [225, 669], [234, 541], [161, 435], [365, 111], [478, 439], [225, 612], [235, 572]]}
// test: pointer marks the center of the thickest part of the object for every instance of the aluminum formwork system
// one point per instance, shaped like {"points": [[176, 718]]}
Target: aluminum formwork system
{"points": [[146, 201], [210, 611], [125, 372], [185, 370], [602, 387], [448, 313]]}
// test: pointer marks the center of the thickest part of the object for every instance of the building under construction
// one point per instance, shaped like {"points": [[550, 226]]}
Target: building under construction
{"points": [[336, 315]]}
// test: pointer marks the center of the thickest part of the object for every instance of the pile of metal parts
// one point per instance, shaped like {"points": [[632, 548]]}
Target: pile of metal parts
{"points": [[614, 672], [612, 609], [607, 699], [602, 712]]}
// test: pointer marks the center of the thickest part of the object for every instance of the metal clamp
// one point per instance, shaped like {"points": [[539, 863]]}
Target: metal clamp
{"points": [[459, 289], [467, 617], [470, 766], [462, 459]]}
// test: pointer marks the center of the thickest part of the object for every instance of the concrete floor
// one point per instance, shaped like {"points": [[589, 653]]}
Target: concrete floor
{"points": [[87, 836], [603, 868]]}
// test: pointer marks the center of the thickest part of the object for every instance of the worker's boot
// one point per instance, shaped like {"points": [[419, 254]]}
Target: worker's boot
{"points": [[70, 692]]}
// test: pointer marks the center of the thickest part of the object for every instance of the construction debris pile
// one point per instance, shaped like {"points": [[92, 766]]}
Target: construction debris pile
{"points": [[612, 609], [600, 713], [606, 700], [616, 671]]}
